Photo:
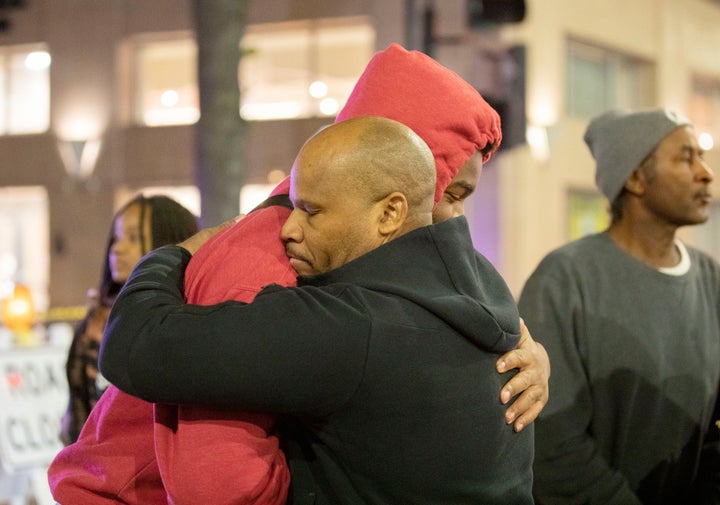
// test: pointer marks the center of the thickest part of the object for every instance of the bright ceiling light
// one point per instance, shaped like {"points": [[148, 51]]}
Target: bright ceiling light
{"points": [[706, 141], [37, 60], [329, 106], [318, 89], [169, 98]]}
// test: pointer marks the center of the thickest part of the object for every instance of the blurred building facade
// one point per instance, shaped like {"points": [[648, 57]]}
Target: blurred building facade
{"points": [[120, 98]]}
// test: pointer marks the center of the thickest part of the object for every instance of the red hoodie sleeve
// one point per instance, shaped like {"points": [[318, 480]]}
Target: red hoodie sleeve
{"points": [[222, 457], [113, 460], [193, 455]]}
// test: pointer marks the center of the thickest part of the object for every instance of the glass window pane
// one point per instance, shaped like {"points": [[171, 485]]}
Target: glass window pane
{"points": [[24, 250], [302, 69], [587, 90], [704, 108], [288, 70], [275, 74], [26, 92], [628, 85], [587, 213], [339, 49], [599, 79], [166, 83], [188, 196], [29, 94]]}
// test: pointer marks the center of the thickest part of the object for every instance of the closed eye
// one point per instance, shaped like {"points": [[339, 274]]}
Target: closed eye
{"points": [[310, 211], [455, 198]]}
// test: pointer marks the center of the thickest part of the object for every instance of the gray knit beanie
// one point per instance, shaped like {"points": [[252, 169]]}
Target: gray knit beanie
{"points": [[620, 141]]}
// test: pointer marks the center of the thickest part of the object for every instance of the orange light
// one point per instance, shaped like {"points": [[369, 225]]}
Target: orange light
{"points": [[17, 310]]}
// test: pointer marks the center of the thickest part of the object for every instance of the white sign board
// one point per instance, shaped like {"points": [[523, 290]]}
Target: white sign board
{"points": [[33, 398]]}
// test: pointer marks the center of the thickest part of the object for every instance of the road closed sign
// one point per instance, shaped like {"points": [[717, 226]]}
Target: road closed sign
{"points": [[33, 398]]}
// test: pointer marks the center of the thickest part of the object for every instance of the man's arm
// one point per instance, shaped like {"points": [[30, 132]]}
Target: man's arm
{"points": [[231, 354], [529, 385], [568, 462]]}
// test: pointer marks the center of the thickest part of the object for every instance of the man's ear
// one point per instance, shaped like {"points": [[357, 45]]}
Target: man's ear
{"points": [[636, 183], [393, 211]]}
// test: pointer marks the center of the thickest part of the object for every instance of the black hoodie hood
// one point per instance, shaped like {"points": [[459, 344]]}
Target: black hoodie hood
{"points": [[477, 304]]}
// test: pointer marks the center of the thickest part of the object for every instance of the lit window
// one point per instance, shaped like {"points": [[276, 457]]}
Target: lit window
{"points": [[599, 79], [24, 89], [187, 196], [704, 110], [587, 213], [289, 70], [25, 248], [165, 73], [253, 194], [302, 69]]}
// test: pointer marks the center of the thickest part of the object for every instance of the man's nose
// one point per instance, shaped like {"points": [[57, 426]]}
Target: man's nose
{"points": [[706, 173], [290, 230]]}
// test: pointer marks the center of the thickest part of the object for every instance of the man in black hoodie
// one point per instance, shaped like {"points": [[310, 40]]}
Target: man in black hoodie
{"points": [[386, 350]]}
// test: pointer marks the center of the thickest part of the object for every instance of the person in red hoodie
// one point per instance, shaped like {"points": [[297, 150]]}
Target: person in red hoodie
{"points": [[115, 459], [212, 456]]}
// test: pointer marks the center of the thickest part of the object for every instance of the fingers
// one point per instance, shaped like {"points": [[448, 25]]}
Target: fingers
{"points": [[522, 355], [530, 385], [518, 384], [532, 395], [526, 407], [528, 416], [517, 358]]}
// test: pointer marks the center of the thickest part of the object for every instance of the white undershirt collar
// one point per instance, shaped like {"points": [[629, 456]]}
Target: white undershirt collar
{"points": [[683, 266]]}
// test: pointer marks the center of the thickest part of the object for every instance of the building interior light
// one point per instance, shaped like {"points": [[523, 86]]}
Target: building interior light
{"points": [[706, 141], [171, 116], [78, 125], [169, 98], [38, 60], [537, 139], [318, 89], [329, 106], [253, 194], [271, 110]]}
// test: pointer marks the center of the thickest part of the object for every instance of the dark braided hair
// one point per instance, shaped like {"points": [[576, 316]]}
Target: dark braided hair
{"points": [[170, 223]]}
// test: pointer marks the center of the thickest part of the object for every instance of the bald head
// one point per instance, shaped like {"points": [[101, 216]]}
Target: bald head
{"points": [[356, 185], [373, 156]]}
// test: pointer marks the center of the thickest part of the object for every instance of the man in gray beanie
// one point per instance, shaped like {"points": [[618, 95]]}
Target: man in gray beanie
{"points": [[631, 320]]}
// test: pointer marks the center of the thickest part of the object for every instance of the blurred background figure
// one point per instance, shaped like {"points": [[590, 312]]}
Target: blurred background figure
{"points": [[143, 224]]}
